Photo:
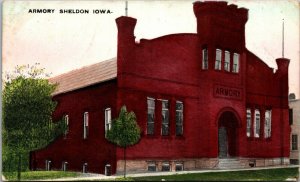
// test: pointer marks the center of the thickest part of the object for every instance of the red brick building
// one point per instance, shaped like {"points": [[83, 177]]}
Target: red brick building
{"points": [[202, 100]]}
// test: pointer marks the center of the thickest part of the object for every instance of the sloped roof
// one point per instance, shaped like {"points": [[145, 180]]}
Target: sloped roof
{"points": [[85, 76]]}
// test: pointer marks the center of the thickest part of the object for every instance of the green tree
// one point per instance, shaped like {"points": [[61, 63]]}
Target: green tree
{"points": [[124, 131], [27, 109]]}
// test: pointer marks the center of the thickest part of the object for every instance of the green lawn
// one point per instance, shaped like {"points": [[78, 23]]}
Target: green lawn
{"points": [[251, 175], [35, 175]]}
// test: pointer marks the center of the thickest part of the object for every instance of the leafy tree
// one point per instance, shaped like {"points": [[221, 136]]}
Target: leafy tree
{"points": [[124, 131], [27, 110]]}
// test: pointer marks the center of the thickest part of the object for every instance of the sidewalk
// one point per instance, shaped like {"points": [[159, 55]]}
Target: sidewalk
{"points": [[92, 176]]}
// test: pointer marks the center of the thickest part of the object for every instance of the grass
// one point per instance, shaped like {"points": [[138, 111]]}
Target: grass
{"points": [[251, 175], [280, 174], [38, 175]]}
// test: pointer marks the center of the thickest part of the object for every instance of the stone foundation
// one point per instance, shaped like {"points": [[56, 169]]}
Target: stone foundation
{"points": [[140, 166]]}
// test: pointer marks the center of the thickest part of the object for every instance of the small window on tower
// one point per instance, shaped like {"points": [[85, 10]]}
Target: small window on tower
{"points": [[227, 61], [236, 62], [205, 59], [218, 59]]}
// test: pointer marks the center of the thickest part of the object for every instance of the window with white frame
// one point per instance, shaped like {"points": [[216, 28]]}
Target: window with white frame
{"points": [[268, 123], [85, 125], [165, 117], [64, 166], [179, 166], [294, 142], [256, 123], [248, 122], [151, 113], [179, 118], [165, 166], [218, 59], [107, 119], [236, 62], [205, 59], [227, 61], [66, 120], [151, 167]]}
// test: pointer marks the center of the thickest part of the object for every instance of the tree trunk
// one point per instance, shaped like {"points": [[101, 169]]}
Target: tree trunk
{"points": [[125, 162], [19, 167]]}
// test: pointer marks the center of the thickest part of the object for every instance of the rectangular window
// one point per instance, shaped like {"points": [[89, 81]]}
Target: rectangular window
{"points": [[85, 125], [204, 59], [227, 61], [66, 120], [179, 118], [151, 112], [218, 59], [256, 123], [268, 123], [165, 117], [64, 166], [165, 167], [107, 119], [85, 168], [294, 142], [151, 167], [248, 122], [179, 167], [236, 61]]}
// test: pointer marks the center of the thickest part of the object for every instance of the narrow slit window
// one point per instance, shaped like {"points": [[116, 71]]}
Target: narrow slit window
{"points": [[227, 61], [268, 123], [66, 120], [151, 112], [85, 125], [179, 118], [165, 117], [236, 62], [107, 119], [248, 122], [205, 59], [257, 123], [218, 62], [294, 142]]}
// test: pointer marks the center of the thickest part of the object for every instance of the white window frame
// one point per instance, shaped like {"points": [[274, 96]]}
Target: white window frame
{"points": [[256, 126], [205, 59], [227, 61], [176, 123], [166, 164], [236, 63], [218, 62], [165, 123], [107, 115], [152, 108], [85, 125], [268, 123], [179, 164], [249, 120]]}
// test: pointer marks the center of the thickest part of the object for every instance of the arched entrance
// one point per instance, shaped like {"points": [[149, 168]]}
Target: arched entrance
{"points": [[227, 134]]}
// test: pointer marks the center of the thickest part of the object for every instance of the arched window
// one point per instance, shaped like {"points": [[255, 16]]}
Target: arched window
{"points": [[236, 63], [248, 122], [268, 123], [227, 61], [218, 62], [66, 120], [151, 113]]}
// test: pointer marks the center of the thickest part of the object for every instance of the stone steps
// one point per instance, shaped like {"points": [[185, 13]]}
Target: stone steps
{"points": [[229, 163]]}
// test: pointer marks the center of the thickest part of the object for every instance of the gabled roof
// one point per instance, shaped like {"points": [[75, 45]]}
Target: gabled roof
{"points": [[85, 76]]}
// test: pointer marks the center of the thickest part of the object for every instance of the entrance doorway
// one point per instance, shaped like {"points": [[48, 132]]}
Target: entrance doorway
{"points": [[227, 135]]}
